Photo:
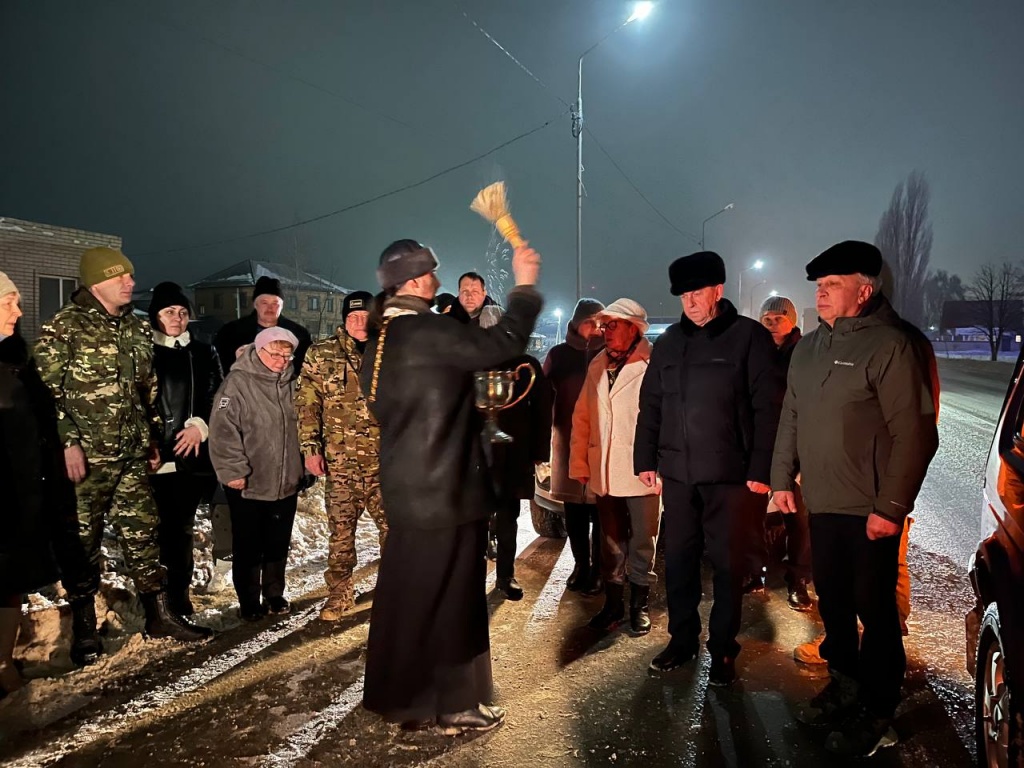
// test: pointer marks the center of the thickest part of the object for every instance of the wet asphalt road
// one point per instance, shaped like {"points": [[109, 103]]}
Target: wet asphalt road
{"points": [[287, 692]]}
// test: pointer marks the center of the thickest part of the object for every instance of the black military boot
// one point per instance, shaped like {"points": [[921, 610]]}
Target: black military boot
{"points": [[85, 644], [614, 609], [161, 621], [639, 612]]}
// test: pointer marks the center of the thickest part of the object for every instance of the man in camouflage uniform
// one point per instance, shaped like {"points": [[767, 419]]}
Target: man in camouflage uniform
{"points": [[340, 439], [96, 357]]}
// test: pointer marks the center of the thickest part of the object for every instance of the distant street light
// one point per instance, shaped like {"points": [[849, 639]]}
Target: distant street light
{"points": [[757, 265], [729, 207], [558, 325], [640, 12]]}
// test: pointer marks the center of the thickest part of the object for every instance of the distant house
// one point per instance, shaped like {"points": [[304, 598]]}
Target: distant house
{"points": [[969, 320], [42, 260], [308, 298]]}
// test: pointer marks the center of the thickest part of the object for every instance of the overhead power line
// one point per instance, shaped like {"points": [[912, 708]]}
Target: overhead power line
{"points": [[636, 189], [576, 126], [362, 203]]}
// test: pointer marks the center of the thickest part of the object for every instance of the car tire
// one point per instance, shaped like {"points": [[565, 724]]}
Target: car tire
{"points": [[547, 523], [999, 726]]}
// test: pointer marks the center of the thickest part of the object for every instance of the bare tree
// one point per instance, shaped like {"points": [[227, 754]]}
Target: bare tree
{"points": [[905, 240], [939, 288], [996, 295]]}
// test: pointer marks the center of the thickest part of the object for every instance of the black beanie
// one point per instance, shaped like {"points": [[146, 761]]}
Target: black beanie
{"points": [[585, 309], [267, 285], [357, 301], [167, 295]]}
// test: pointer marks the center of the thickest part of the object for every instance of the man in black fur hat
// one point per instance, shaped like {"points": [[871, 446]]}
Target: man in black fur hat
{"points": [[267, 303], [709, 407]]}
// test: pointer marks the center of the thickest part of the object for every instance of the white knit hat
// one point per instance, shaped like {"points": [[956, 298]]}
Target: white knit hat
{"points": [[626, 309], [7, 285]]}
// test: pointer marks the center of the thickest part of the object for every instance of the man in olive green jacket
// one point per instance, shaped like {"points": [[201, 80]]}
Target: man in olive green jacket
{"points": [[858, 424]]}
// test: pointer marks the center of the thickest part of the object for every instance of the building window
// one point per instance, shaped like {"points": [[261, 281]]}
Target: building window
{"points": [[217, 301], [293, 302], [53, 292], [314, 303], [329, 306]]}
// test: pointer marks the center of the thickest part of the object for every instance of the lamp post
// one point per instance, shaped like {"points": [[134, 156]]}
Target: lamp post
{"points": [[752, 294], [640, 11], [729, 207], [558, 326], [757, 265]]}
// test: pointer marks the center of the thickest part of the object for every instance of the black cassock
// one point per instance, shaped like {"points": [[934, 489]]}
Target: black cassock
{"points": [[428, 652]]}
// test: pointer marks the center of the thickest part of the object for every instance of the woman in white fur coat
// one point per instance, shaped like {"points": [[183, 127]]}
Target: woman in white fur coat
{"points": [[601, 457]]}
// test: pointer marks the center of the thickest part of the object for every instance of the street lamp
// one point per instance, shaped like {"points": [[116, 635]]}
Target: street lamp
{"points": [[757, 265], [753, 292], [729, 207], [558, 326], [640, 11]]}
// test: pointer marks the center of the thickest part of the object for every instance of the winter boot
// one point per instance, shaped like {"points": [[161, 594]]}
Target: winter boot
{"points": [[161, 621], [85, 645], [614, 609], [10, 678], [639, 612]]}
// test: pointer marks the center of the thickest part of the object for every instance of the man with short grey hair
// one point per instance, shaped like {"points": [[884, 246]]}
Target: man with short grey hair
{"points": [[858, 425]]}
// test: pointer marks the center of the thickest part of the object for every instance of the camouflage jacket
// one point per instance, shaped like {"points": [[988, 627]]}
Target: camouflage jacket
{"points": [[99, 369], [333, 418]]}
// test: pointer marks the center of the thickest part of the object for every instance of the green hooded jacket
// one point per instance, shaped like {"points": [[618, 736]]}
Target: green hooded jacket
{"points": [[857, 421]]}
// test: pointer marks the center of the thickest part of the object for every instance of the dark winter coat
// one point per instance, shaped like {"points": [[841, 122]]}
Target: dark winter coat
{"points": [[432, 468], [489, 314], [30, 476], [857, 421], [786, 350], [187, 380], [243, 331], [566, 369], [709, 404], [254, 430], [528, 423]]}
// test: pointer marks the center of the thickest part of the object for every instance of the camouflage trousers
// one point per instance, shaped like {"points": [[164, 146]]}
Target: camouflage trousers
{"points": [[348, 494], [116, 492]]}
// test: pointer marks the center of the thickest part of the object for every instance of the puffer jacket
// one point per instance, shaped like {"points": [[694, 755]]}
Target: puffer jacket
{"points": [[254, 430]]}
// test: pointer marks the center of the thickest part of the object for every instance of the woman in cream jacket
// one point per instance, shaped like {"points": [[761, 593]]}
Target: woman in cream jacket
{"points": [[601, 457]]}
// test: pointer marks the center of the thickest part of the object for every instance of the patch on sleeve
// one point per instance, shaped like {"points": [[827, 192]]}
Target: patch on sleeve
{"points": [[223, 403]]}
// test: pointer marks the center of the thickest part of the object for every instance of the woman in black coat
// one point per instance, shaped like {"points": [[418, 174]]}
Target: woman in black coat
{"points": [[27, 472], [188, 374]]}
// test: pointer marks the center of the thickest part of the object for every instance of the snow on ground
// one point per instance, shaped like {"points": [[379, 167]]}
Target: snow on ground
{"points": [[56, 688]]}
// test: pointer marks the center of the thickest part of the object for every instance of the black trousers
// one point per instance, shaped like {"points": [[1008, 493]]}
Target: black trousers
{"points": [[856, 578], [584, 543], [177, 494], [798, 542], [504, 526], [261, 532], [428, 652], [712, 520]]}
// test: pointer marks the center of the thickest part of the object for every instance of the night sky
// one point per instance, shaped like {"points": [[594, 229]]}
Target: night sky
{"points": [[178, 124]]}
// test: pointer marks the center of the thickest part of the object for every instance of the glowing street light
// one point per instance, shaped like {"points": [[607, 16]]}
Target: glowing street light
{"points": [[558, 325], [757, 266], [640, 12]]}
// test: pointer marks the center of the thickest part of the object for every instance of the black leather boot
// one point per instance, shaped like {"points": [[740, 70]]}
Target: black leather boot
{"points": [[161, 621], [639, 612], [614, 609], [85, 644]]}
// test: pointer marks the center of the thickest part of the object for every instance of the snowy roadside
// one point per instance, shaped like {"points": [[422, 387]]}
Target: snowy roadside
{"points": [[56, 688]]}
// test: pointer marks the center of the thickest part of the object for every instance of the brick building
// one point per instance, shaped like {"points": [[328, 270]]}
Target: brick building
{"points": [[308, 298], [42, 260]]}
